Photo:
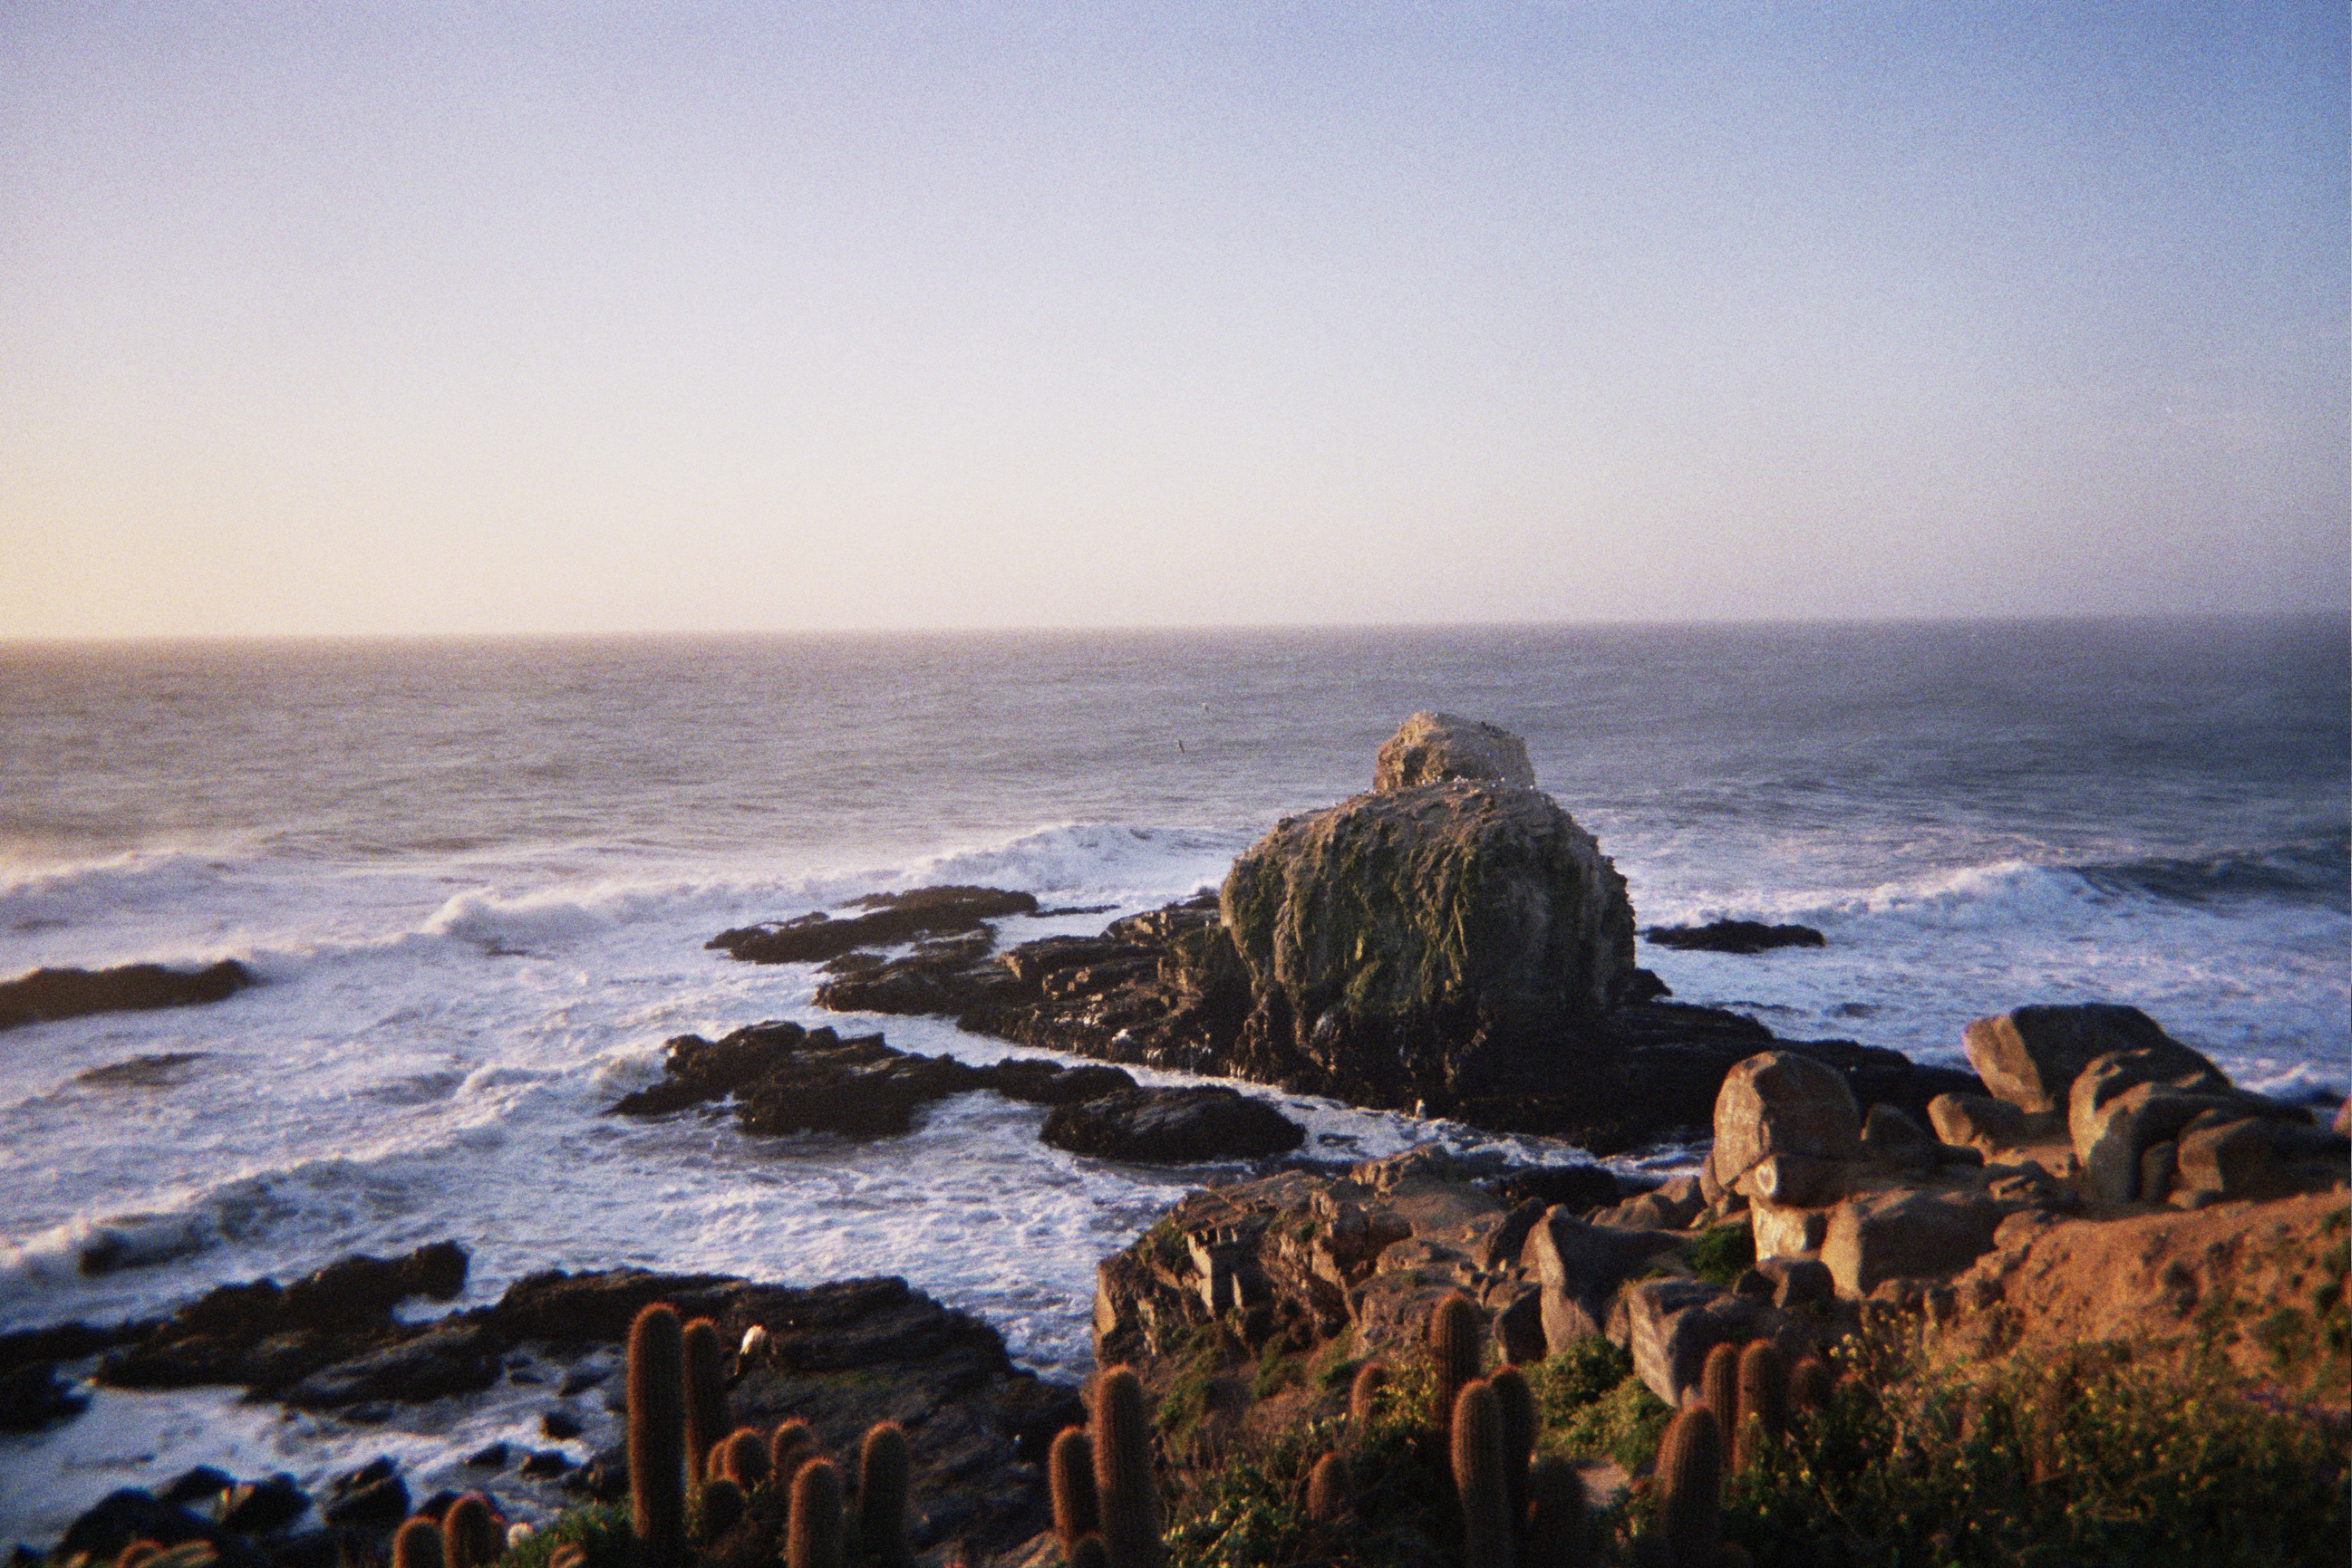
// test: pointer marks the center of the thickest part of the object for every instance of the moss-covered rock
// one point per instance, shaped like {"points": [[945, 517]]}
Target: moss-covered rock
{"points": [[1405, 942]]}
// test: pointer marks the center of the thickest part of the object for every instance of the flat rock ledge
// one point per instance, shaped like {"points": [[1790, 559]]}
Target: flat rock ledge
{"points": [[783, 1079], [841, 1356]]}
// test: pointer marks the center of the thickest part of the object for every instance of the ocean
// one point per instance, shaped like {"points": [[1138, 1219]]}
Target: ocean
{"points": [[475, 877]]}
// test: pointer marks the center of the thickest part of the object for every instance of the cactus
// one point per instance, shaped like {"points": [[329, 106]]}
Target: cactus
{"points": [[1122, 1440], [1559, 1519], [1690, 1491], [1089, 1553], [137, 1552], [1763, 1404], [706, 1420], [570, 1554], [1363, 1395], [1720, 1388], [791, 1446], [471, 1534], [885, 1468], [417, 1544], [657, 1436], [1479, 1482], [1070, 1478], [743, 1459], [1453, 1350], [1809, 1384], [1520, 1426], [813, 1540], [718, 1508], [1329, 1491]]}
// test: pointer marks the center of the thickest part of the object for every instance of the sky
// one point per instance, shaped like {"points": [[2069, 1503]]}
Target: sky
{"points": [[437, 317]]}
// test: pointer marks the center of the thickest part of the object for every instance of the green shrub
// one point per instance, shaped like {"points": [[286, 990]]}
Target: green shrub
{"points": [[1724, 1252]]}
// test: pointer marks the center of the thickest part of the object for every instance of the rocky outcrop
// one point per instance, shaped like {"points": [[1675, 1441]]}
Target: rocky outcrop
{"points": [[1172, 1126], [2028, 1058], [1734, 936], [1437, 748], [49, 994]]}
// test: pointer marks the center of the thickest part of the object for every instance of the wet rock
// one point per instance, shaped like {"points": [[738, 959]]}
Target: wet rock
{"points": [[452, 1358], [560, 1424], [31, 1397], [545, 1463], [130, 1514], [1173, 1126], [1042, 1082], [371, 1499], [1436, 748], [890, 919], [259, 1507], [50, 993], [493, 1457], [200, 1484], [1734, 936]]}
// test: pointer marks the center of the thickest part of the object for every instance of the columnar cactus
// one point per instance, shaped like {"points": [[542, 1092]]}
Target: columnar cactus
{"points": [[791, 1446], [706, 1420], [743, 1459], [1453, 1350], [1520, 1426], [1559, 1519], [1122, 1441], [1720, 1388], [1089, 1553], [1690, 1491], [1479, 1479], [137, 1552], [471, 1534], [1330, 1494], [1763, 1404], [718, 1508], [885, 1468], [1070, 1478], [417, 1544], [1363, 1395], [813, 1540], [657, 1435], [570, 1554]]}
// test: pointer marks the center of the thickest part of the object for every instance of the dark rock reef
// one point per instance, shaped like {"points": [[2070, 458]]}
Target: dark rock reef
{"points": [[1734, 936], [1451, 942], [49, 994], [783, 1078]]}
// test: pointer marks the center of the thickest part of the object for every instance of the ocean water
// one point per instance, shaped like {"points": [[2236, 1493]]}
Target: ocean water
{"points": [[475, 880]]}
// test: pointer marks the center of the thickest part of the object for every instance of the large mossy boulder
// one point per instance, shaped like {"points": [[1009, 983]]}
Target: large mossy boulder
{"points": [[1412, 943]]}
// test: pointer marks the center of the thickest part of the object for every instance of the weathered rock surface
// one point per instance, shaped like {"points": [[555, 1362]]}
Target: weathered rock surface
{"points": [[2029, 1057], [1734, 936], [2125, 1102], [1436, 748], [1411, 942], [49, 994], [1783, 1123], [1169, 1126], [1915, 1234]]}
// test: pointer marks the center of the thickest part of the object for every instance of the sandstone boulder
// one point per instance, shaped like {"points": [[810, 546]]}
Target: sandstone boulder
{"points": [[1580, 1267], [1432, 748], [1989, 1126], [1906, 1234], [1669, 1325], [1417, 945], [2124, 1102], [2029, 1057], [1782, 1123]]}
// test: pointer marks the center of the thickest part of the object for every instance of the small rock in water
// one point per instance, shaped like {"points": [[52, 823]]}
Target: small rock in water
{"points": [[1734, 936], [493, 1458]]}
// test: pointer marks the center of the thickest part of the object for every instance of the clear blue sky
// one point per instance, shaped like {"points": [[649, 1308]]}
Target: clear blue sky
{"points": [[470, 318]]}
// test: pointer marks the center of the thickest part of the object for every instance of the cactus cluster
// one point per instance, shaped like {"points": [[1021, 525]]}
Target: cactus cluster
{"points": [[1100, 1479]]}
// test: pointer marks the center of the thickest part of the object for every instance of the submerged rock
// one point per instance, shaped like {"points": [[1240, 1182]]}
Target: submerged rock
{"points": [[891, 919], [1734, 936], [49, 994]]}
